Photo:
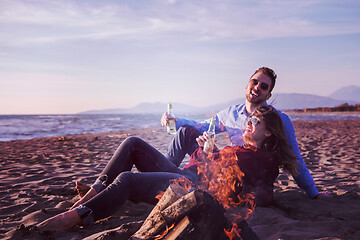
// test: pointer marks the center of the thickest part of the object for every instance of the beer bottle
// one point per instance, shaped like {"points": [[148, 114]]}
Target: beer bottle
{"points": [[171, 127], [209, 144]]}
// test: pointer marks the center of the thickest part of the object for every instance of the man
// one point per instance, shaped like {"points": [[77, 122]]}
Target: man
{"points": [[233, 120]]}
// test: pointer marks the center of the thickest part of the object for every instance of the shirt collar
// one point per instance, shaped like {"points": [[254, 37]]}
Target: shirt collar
{"points": [[242, 109]]}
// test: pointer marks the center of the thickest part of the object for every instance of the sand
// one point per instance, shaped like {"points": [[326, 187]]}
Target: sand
{"points": [[37, 180]]}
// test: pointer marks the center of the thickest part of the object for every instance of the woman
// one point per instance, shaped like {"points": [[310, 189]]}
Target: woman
{"points": [[265, 149], [117, 183]]}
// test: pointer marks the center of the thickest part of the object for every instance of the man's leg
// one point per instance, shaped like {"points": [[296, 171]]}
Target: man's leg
{"points": [[184, 142]]}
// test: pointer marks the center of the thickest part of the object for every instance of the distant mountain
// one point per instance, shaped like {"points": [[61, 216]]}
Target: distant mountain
{"points": [[287, 101], [349, 93], [156, 107], [282, 101]]}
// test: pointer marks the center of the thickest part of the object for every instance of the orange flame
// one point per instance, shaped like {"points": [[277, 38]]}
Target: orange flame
{"points": [[222, 178], [183, 182], [159, 196], [234, 232], [162, 235]]}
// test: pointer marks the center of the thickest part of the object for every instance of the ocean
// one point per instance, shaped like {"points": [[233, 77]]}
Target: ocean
{"points": [[21, 127]]}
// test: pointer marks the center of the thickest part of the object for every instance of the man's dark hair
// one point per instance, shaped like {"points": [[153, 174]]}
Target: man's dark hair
{"points": [[268, 72]]}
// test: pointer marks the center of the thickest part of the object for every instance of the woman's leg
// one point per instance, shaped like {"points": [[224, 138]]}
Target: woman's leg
{"points": [[82, 188], [132, 151], [61, 222], [142, 187]]}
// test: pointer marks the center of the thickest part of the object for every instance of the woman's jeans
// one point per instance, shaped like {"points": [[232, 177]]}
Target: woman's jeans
{"points": [[117, 183]]}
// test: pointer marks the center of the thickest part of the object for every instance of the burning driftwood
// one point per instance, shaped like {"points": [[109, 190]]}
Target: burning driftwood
{"points": [[215, 210], [183, 215]]}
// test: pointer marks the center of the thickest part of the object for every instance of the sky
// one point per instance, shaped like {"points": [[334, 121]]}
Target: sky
{"points": [[68, 56]]}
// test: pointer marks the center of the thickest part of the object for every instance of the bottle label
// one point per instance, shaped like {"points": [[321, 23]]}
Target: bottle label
{"points": [[209, 144], [171, 127]]}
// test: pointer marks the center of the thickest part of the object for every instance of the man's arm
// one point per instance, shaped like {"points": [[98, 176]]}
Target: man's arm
{"points": [[304, 179], [201, 126]]}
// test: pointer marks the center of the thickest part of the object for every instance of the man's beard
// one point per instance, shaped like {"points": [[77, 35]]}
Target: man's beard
{"points": [[256, 101]]}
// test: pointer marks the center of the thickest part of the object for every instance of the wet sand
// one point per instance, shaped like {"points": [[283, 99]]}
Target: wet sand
{"points": [[37, 180]]}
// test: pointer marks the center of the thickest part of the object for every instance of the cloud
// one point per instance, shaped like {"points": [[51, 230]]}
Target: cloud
{"points": [[43, 21]]}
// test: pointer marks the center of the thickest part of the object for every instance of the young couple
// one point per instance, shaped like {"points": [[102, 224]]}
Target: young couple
{"points": [[263, 140]]}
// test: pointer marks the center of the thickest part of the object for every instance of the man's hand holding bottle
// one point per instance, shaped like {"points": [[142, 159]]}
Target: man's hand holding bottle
{"points": [[166, 118]]}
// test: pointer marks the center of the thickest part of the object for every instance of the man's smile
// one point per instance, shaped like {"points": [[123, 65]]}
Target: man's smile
{"points": [[254, 93]]}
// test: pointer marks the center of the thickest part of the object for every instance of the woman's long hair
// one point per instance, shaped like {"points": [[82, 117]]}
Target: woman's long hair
{"points": [[277, 143]]}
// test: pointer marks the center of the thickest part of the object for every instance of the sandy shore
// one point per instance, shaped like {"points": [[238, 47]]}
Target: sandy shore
{"points": [[38, 176]]}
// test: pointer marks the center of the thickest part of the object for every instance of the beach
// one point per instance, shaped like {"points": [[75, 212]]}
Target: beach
{"points": [[37, 181]]}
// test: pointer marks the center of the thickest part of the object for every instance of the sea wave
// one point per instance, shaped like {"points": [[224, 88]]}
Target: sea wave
{"points": [[21, 127]]}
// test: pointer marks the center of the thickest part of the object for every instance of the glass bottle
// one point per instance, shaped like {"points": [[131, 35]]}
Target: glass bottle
{"points": [[209, 144], [171, 127]]}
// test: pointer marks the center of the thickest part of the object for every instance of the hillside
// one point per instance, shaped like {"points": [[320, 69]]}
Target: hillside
{"points": [[282, 101], [349, 93]]}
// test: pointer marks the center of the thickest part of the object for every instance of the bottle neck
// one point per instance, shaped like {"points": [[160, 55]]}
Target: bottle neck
{"points": [[170, 111], [212, 126]]}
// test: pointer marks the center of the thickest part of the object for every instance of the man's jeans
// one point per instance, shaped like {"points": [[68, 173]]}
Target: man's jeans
{"points": [[184, 142]]}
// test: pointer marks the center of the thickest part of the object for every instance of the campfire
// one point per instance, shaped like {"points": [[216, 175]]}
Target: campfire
{"points": [[216, 209]]}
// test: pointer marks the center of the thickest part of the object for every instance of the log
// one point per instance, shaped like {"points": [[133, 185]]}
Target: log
{"points": [[182, 206], [172, 193], [169, 215], [196, 215], [207, 221], [172, 205], [184, 226]]}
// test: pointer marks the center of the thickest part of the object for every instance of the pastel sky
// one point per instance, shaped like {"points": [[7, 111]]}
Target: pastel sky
{"points": [[67, 56]]}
